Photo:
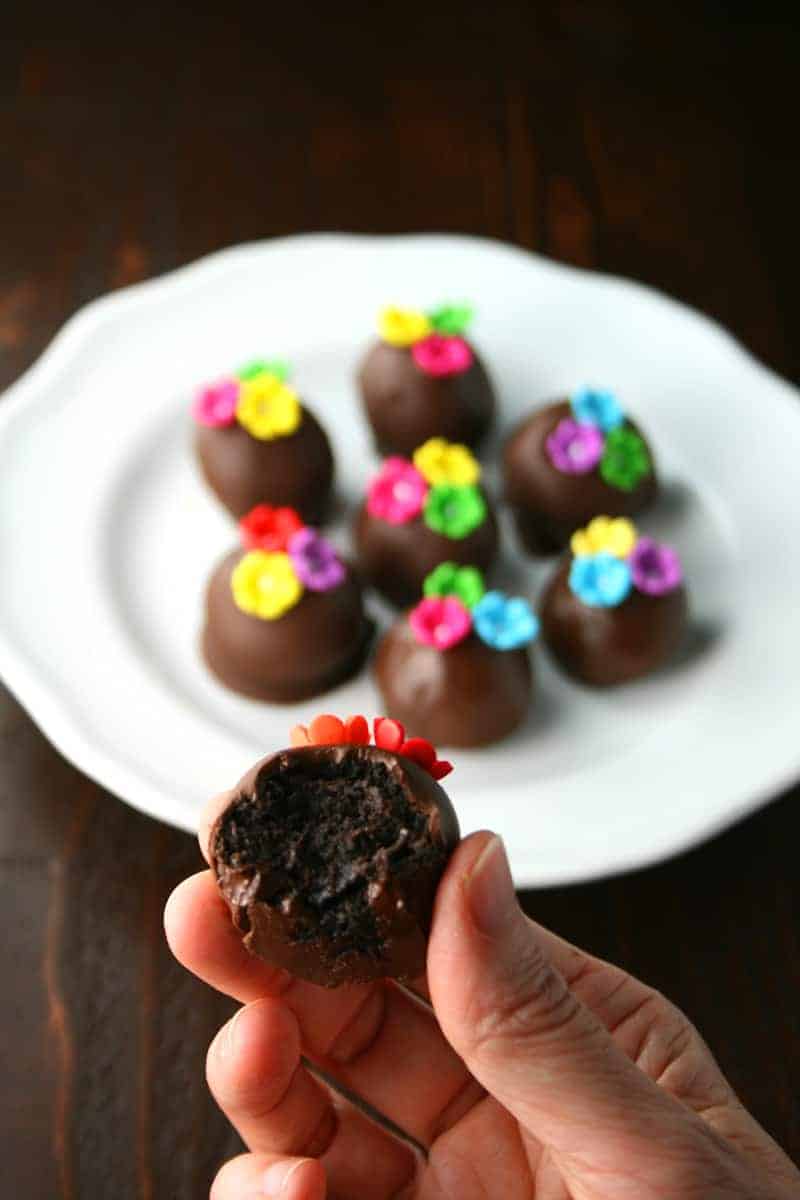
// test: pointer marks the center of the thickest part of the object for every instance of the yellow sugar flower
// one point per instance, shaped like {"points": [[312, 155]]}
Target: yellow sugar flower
{"points": [[402, 326], [615, 536], [267, 408], [265, 584], [440, 461]]}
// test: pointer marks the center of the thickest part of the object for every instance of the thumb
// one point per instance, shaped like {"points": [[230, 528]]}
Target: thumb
{"points": [[510, 1015]]}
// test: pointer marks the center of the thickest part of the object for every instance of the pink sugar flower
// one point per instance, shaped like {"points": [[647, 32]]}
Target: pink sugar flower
{"points": [[215, 404], [440, 355], [440, 621], [397, 493]]}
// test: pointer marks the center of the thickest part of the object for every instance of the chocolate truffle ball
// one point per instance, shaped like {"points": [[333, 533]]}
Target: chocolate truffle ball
{"points": [[420, 513], [258, 444], [405, 405], [606, 645], [242, 470], [548, 503], [395, 559], [423, 379], [470, 694], [329, 858], [317, 643]]}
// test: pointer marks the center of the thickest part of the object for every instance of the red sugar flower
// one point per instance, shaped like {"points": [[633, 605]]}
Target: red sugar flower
{"points": [[356, 731], [268, 528], [328, 730], [389, 734]]}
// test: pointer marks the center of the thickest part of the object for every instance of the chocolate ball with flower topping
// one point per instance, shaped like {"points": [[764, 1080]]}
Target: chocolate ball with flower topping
{"points": [[570, 460], [257, 443], [285, 616], [616, 608], [423, 379], [420, 512], [458, 662]]}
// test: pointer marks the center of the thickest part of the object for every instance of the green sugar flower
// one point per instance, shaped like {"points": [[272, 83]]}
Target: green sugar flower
{"points": [[625, 460], [454, 511], [260, 366], [451, 320], [449, 579]]}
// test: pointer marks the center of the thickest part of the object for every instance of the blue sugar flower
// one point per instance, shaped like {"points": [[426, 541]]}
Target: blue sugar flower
{"points": [[600, 580], [592, 406], [504, 623]]}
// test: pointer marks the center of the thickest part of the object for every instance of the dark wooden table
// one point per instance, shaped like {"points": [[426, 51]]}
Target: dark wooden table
{"points": [[656, 143]]}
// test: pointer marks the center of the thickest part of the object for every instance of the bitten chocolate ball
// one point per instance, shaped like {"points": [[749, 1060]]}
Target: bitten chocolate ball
{"points": [[258, 444], [614, 615], [548, 486], [467, 695], [405, 405], [329, 858]]}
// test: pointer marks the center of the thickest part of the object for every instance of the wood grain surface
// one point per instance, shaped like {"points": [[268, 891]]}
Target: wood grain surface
{"points": [[650, 141]]}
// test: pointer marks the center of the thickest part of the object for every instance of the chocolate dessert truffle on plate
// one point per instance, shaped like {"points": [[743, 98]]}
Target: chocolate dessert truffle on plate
{"points": [[423, 379], [570, 460], [457, 665], [421, 512], [284, 615], [616, 608], [257, 443], [329, 854]]}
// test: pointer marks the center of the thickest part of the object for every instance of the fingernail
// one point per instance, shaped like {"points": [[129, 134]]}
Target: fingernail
{"points": [[276, 1177], [490, 890]]}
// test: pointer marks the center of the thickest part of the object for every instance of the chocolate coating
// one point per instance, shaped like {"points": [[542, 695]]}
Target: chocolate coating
{"points": [[604, 646], [320, 642], [329, 858], [395, 559], [549, 505], [405, 406], [244, 471], [469, 695]]}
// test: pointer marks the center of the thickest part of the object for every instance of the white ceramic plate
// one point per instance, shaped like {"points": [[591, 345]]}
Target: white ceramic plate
{"points": [[107, 535]]}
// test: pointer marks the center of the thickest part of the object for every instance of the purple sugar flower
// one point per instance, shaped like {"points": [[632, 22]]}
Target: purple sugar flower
{"points": [[575, 449], [655, 569], [315, 560]]}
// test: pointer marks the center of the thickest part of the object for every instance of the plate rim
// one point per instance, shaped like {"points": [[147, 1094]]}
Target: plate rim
{"points": [[52, 713]]}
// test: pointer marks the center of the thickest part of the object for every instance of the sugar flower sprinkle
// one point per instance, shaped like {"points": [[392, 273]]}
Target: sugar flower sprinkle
{"points": [[397, 493], [503, 622], [594, 406], [454, 511], [315, 560], [440, 621], [265, 585], [440, 461], [656, 569], [574, 449], [449, 579], [601, 581]]}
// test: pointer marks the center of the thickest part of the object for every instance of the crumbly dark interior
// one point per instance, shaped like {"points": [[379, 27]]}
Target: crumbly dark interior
{"points": [[323, 839]]}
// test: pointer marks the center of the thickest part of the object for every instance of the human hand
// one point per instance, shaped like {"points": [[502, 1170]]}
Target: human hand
{"points": [[540, 1073]]}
